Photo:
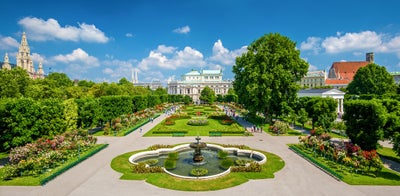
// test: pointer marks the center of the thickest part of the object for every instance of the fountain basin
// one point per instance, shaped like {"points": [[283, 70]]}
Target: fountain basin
{"points": [[210, 152]]}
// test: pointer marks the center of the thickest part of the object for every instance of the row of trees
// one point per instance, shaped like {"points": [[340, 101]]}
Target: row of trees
{"points": [[265, 82], [24, 120], [16, 83]]}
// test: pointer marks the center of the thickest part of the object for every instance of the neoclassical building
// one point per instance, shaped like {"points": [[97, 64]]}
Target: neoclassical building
{"points": [[24, 60], [193, 83], [334, 93]]}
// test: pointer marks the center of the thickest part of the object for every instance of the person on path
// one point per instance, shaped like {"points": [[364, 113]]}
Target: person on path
{"points": [[140, 130]]}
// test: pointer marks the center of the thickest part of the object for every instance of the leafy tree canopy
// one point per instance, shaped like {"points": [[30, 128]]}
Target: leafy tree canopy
{"points": [[207, 95], [372, 79], [266, 75]]}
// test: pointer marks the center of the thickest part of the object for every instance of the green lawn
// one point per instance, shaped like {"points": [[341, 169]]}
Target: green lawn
{"points": [[44, 178], [181, 125], [347, 175], [163, 180], [388, 153]]}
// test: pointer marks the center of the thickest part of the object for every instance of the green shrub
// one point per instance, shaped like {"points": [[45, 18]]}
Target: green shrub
{"points": [[173, 155], [226, 163], [170, 164], [241, 162], [151, 162], [9, 172], [222, 154], [199, 172], [253, 167], [280, 127], [197, 122], [141, 168]]}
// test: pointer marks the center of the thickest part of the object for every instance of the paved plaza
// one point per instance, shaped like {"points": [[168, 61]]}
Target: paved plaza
{"points": [[94, 176]]}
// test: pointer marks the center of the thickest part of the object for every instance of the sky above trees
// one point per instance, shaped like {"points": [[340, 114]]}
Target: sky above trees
{"points": [[106, 40]]}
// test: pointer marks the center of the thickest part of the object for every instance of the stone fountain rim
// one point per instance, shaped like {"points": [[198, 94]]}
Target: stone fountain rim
{"points": [[182, 147]]}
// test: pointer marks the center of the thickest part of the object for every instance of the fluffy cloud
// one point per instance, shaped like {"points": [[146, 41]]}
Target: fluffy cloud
{"points": [[365, 40], [312, 43], [8, 43], [129, 35], [167, 57], [182, 30], [223, 55], [42, 30], [357, 43], [117, 69], [78, 56]]}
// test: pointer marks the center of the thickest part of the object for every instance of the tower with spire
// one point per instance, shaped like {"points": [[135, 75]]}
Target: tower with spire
{"points": [[6, 64], [24, 60]]}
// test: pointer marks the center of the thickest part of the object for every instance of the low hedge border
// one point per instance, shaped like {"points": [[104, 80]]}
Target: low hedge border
{"points": [[169, 132], [72, 164], [139, 125], [316, 163]]}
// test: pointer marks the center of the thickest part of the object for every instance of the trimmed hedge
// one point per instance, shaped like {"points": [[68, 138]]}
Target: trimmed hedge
{"points": [[72, 164]]}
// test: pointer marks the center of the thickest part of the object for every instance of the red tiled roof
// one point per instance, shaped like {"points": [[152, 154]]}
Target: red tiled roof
{"points": [[347, 70], [336, 81]]}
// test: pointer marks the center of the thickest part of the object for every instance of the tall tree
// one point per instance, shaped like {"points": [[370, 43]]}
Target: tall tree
{"points": [[13, 83], [322, 111], [266, 75], [372, 79], [207, 95], [364, 121]]}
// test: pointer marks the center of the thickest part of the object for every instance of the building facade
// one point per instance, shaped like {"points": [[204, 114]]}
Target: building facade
{"points": [[334, 93], [396, 76], [24, 60], [193, 83], [342, 73], [313, 79]]}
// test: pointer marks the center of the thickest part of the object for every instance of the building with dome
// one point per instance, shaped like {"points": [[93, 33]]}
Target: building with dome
{"points": [[193, 82], [24, 60]]}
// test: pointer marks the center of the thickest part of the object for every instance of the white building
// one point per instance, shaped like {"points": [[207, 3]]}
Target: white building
{"points": [[334, 93], [313, 79], [193, 83]]}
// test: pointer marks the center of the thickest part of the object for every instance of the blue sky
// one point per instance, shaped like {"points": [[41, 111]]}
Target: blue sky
{"points": [[163, 39]]}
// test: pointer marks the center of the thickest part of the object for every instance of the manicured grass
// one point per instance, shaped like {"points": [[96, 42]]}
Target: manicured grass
{"points": [[290, 132], [348, 175], [163, 180], [44, 178], [3, 155], [388, 153], [181, 124]]}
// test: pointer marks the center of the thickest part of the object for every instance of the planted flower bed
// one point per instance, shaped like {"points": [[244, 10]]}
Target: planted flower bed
{"points": [[45, 155]]}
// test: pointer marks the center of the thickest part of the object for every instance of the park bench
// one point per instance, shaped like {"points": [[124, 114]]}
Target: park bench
{"points": [[178, 134], [215, 134]]}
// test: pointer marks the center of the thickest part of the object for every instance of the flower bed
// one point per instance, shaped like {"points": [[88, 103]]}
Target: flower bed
{"points": [[198, 122], [43, 155], [346, 154]]}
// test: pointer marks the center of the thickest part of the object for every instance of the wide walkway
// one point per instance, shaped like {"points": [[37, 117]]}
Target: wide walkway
{"points": [[94, 176]]}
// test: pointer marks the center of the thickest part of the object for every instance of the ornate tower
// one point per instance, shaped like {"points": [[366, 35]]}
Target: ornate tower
{"points": [[24, 59], [40, 72], [6, 64]]}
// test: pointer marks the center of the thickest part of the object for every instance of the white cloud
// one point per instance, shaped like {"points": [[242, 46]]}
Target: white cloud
{"points": [[182, 30], [8, 43], [129, 35], [223, 55], [366, 40], [312, 43], [167, 57], [165, 49], [78, 56], [43, 30], [117, 69], [108, 71]]}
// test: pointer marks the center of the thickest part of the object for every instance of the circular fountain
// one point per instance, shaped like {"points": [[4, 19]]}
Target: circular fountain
{"points": [[204, 156], [198, 158]]}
